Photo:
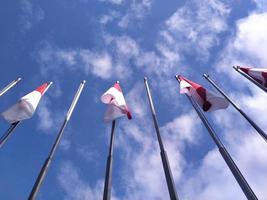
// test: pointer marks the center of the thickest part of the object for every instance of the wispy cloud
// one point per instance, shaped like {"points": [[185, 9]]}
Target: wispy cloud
{"points": [[135, 13], [31, 14], [195, 27], [75, 187]]}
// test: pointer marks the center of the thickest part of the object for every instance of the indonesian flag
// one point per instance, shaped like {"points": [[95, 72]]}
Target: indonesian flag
{"points": [[206, 100], [25, 107], [117, 106], [258, 74]]}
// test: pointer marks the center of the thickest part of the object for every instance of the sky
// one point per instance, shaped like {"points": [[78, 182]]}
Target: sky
{"points": [[102, 41]]}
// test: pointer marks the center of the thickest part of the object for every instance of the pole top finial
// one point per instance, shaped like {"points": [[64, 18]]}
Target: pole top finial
{"points": [[236, 67], [145, 78], [205, 75], [84, 81], [19, 79], [118, 82], [51, 82]]}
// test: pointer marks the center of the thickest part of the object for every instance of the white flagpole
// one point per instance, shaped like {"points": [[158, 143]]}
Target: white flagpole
{"points": [[9, 86], [48, 161]]}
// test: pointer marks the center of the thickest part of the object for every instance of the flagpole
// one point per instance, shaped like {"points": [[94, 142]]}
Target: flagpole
{"points": [[224, 153], [48, 160], [164, 158], [13, 126], [108, 177], [237, 68], [9, 86], [252, 123], [8, 133]]}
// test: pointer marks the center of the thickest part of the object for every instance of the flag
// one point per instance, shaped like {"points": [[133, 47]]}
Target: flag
{"points": [[258, 74], [117, 106], [25, 107], [206, 100]]}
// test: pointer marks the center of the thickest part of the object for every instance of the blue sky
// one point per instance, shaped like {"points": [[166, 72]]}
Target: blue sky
{"points": [[102, 41]]}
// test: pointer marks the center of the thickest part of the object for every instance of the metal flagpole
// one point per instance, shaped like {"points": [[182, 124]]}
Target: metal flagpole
{"points": [[226, 156], [237, 68], [9, 86], [8, 133], [164, 158], [257, 128], [47, 162], [12, 127], [108, 177]]}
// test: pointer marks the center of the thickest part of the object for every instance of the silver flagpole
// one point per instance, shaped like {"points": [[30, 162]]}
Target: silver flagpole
{"points": [[224, 153], [47, 162], [247, 76], [164, 157], [8, 133], [252, 123], [9, 86], [109, 165], [13, 126]]}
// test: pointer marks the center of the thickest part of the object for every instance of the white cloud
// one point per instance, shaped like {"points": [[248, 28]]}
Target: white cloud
{"points": [[136, 12], [31, 14], [45, 117], [195, 27], [106, 18], [251, 37], [75, 188], [116, 2], [261, 5], [87, 153], [100, 64], [246, 47]]}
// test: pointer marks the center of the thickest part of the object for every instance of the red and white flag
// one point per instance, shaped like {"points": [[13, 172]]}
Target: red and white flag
{"points": [[258, 74], [117, 106], [206, 100], [25, 107]]}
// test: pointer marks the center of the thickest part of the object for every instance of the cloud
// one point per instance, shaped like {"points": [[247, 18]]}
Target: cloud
{"points": [[261, 5], [45, 116], [195, 27], [246, 47], [31, 14], [87, 153], [99, 64], [111, 16], [135, 13], [102, 64], [116, 2], [74, 187]]}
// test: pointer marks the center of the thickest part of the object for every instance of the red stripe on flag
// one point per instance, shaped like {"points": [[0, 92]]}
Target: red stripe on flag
{"points": [[264, 75], [42, 88], [129, 115], [201, 91], [245, 69], [117, 86]]}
